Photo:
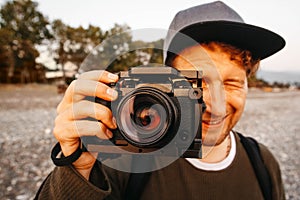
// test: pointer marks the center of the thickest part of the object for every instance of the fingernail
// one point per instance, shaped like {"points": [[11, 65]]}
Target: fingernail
{"points": [[109, 133], [112, 93], [112, 77]]}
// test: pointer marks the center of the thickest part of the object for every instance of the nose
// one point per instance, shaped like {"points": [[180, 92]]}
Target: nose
{"points": [[214, 98]]}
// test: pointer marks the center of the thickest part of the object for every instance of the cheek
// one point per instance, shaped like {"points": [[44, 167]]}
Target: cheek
{"points": [[236, 100]]}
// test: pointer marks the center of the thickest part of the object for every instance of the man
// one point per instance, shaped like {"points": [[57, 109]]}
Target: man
{"points": [[230, 50]]}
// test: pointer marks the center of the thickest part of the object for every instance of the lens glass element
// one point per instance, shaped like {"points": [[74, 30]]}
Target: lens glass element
{"points": [[145, 116], [148, 117]]}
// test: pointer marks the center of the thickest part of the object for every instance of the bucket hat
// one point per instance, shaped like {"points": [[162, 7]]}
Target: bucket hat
{"points": [[218, 22]]}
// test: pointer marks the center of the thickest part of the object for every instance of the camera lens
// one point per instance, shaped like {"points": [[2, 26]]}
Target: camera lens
{"points": [[148, 117], [145, 115]]}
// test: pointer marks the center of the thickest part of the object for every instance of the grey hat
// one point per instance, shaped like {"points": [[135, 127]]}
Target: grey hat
{"points": [[217, 22]]}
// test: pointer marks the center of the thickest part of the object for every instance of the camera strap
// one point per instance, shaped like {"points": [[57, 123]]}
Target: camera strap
{"points": [[64, 160], [261, 172]]}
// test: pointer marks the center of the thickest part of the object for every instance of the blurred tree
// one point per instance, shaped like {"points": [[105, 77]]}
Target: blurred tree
{"points": [[117, 49], [24, 57], [7, 61], [21, 27], [126, 52], [73, 44], [113, 54], [254, 82], [157, 52], [152, 52], [25, 21]]}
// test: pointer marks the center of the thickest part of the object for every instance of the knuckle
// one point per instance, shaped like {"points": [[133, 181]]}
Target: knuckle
{"points": [[57, 120], [63, 131], [57, 132], [107, 112], [103, 112], [102, 127], [101, 89], [70, 89], [102, 73], [62, 117], [82, 76], [69, 127], [73, 83]]}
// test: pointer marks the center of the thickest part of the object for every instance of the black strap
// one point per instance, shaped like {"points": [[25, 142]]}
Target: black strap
{"points": [[262, 175], [64, 160]]}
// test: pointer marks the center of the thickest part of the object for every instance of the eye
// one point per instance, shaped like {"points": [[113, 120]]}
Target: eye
{"points": [[235, 83]]}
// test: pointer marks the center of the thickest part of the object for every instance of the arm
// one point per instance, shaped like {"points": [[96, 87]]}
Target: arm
{"points": [[70, 125], [67, 183]]}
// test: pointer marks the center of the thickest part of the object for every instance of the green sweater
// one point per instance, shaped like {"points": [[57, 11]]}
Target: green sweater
{"points": [[180, 180]]}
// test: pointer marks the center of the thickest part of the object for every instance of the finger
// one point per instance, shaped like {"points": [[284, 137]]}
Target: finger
{"points": [[71, 131], [96, 75], [81, 88], [99, 75], [84, 109]]}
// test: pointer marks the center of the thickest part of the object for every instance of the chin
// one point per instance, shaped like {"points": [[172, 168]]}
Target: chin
{"points": [[213, 138]]}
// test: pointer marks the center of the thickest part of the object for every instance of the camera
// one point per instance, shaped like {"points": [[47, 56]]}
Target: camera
{"points": [[158, 112]]}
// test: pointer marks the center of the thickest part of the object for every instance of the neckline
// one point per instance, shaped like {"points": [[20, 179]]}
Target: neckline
{"points": [[219, 165]]}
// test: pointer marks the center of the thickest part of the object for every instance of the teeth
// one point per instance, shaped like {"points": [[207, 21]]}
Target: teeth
{"points": [[215, 122]]}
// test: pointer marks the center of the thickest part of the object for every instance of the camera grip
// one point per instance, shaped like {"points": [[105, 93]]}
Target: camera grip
{"points": [[103, 102]]}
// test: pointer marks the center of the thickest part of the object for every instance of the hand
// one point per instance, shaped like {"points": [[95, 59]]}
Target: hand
{"points": [[70, 123]]}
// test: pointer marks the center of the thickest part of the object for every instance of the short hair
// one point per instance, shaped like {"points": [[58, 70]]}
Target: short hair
{"points": [[242, 57]]}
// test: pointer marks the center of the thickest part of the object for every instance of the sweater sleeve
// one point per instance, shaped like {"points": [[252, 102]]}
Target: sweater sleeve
{"points": [[275, 173], [66, 183]]}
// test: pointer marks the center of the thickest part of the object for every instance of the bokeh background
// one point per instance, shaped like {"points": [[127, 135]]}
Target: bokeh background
{"points": [[43, 43]]}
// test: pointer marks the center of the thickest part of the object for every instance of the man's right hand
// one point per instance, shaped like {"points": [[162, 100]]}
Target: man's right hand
{"points": [[70, 123]]}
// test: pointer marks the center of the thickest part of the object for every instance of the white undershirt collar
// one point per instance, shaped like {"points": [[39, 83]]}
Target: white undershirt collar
{"points": [[216, 166]]}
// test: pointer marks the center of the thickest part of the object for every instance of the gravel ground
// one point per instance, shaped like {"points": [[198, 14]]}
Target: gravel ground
{"points": [[273, 119], [27, 115]]}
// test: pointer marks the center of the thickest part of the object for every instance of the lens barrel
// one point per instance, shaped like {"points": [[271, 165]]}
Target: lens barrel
{"points": [[145, 115]]}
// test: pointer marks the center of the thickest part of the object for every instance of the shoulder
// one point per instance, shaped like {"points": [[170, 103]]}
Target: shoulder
{"points": [[268, 157]]}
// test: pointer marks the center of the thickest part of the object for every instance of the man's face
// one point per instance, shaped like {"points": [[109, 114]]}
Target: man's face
{"points": [[224, 89]]}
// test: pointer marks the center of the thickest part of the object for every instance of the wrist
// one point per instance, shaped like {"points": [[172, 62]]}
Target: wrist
{"points": [[85, 172], [85, 164]]}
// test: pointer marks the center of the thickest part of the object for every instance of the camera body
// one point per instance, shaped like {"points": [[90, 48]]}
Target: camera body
{"points": [[158, 112]]}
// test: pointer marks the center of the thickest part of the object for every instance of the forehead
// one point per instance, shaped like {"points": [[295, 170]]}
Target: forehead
{"points": [[208, 59]]}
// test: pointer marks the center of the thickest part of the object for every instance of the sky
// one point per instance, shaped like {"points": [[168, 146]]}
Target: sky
{"points": [[282, 17]]}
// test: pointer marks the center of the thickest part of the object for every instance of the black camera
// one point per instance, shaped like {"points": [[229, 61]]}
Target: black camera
{"points": [[158, 111]]}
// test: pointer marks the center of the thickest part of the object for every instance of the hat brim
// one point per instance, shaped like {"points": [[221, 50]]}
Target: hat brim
{"points": [[261, 42]]}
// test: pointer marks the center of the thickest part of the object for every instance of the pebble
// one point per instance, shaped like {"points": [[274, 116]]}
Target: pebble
{"points": [[28, 113]]}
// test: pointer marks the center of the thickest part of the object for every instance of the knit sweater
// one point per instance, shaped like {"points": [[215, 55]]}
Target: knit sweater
{"points": [[179, 180]]}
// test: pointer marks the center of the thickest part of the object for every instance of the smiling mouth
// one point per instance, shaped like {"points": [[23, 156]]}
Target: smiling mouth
{"points": [[214, 121]]}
